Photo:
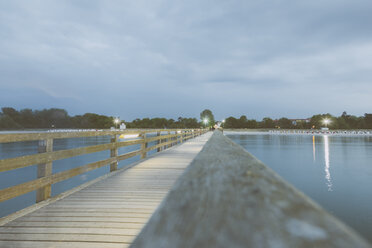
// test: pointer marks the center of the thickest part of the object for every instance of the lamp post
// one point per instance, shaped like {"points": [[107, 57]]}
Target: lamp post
{"points": [[116, 121], [205, 121], [326, 122]]}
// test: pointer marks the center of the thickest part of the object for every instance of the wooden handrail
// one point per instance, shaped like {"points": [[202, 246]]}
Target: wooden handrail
{"points": [[228, 198], [17, 137], [46, 155], [24, 161]]}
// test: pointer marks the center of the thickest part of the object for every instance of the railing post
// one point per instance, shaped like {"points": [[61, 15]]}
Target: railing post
{"points": [[143, 146], [114, 153], [159, 141], [181, 141], [44, 170], [169, 139]]}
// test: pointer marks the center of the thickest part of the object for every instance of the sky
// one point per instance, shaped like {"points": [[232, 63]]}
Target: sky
{"points": [[137, 59]]}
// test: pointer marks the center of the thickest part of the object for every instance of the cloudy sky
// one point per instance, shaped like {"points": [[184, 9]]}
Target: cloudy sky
{"points": [[175, 58]]}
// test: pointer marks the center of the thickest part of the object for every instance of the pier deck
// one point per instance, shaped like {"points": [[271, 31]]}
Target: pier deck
{"points": [[108, 213]]}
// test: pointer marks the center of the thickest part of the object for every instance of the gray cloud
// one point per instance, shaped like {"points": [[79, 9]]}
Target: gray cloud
{"points": [[174, 58]]}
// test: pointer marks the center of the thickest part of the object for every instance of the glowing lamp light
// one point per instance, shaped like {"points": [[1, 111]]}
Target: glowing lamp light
{"points": [[116, 121], [326, 121]]}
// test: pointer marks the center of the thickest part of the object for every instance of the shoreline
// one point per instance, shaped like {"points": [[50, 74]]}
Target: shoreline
{"points": [[308, 132]]}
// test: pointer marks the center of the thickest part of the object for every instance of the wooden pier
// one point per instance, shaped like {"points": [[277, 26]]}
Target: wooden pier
{"points": [[110, 211], [206, 192]]}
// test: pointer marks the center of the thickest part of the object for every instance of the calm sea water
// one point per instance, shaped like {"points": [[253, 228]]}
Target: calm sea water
{"points": [[22, 175], [334, 171]]}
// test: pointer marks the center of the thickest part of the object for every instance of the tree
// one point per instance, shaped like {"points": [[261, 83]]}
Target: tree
{"points": [[11, 112], [252, 124], [7, 123], [368, 120], [267, 123], [285, 123], [207, 115], [318, 120], [231, 122], [242, 121]]}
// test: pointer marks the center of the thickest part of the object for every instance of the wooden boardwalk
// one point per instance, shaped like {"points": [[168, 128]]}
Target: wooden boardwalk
{"points": [[109, 213]]}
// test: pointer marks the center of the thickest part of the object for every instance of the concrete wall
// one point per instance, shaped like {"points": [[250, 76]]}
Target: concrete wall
{"points": [[228, 198]]}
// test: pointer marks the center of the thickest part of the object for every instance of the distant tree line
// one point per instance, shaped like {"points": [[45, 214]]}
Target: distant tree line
{"points": [[11, 119], [164, 123], [345, 121]]}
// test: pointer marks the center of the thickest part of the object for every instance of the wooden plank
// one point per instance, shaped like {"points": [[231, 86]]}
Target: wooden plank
{"points": [[160, 137], [20, 189], [92, 209], [44, 170], [88, 214], [54, 244], [119, 193], [51, 230], [62, 237], [111, 205], [159, 145], [93, 191], [115, 207], [129, 143], [81, 224], [143, 146], [108, 197], [24, 161], [158, 141], [61, 176], [128, 155], [114, 154], [114, 199], [145, 202], [91, 219]]}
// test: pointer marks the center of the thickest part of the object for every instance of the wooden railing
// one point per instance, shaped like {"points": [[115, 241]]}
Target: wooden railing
{"points": [[44, 159], [228, 198]]}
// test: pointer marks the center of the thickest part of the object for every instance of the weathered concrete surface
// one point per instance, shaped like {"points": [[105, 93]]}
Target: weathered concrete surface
{"points": [[227, 198]]}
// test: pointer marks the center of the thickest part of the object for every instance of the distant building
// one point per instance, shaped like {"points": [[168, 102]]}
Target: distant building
{"points": [[295, 122]]}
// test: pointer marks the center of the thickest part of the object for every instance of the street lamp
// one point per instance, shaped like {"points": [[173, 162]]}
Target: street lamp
{"points": [[326, 121], [205, 121], [116, 121]]}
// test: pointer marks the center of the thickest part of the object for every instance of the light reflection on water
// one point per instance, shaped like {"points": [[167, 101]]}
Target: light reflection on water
{"points": [[314, 157], [335, 171], [326, 163]]}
